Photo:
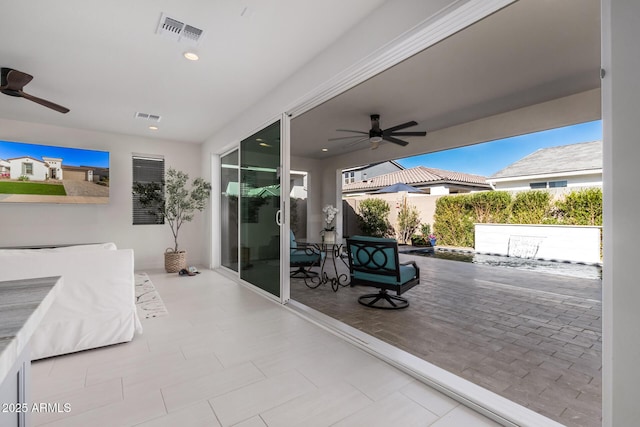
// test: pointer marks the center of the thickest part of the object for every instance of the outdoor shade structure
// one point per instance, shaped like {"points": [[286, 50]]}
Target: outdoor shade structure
{"points": [[398, 187]]}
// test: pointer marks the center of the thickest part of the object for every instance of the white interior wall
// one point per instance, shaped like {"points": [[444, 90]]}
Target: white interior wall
{"points": [[47, 224]]}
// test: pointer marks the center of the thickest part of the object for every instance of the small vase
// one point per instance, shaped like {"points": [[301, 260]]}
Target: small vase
{"points": [[432, 241]]}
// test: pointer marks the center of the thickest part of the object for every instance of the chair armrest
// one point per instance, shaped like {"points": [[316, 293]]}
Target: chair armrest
{"points": [[414, 266], [308, 248]]}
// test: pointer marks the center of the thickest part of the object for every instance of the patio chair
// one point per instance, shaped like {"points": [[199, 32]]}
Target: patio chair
{"points": [[374, 262], [303, 257]]}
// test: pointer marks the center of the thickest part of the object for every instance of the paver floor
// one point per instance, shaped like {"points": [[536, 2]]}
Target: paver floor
{"points": [[532, 337]]}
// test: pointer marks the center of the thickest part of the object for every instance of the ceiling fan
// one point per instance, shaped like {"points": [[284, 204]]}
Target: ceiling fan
{"points": [[13, 81], [376, 135]]}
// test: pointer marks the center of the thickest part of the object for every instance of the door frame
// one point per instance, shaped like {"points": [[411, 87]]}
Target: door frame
{"points": [[285, 122]]}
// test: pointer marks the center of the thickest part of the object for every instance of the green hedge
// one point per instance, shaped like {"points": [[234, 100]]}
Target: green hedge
{"points": [[455, 215], [373, 218]]}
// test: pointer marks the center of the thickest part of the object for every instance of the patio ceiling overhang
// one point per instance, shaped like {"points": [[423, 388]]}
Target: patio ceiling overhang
{"points": [[501, 64]]}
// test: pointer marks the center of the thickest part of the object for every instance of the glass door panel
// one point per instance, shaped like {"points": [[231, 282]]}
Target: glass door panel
{"points": [[230, 191], [260, 214]]}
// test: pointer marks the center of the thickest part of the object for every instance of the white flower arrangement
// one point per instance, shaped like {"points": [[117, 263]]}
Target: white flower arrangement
{"points": [[329, 216]]}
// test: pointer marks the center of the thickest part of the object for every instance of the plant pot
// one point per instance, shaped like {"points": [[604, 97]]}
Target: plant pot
{"points": [[174, 261], [432, 241], [329, 237]]}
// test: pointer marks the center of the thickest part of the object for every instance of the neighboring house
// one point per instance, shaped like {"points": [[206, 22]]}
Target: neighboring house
{"points": [[34, 169], [4, 169], [55, 167], [362, 173], [430, 180], [566, 166]]}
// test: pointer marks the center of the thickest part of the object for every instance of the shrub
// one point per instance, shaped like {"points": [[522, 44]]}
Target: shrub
{"points": [[373, 218], [454, 221], [582, 207], [490, 206], [23, 178], [425, 229], [531, 207], [408, 222]]}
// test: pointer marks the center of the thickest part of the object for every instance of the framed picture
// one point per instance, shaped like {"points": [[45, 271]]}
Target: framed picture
{"points": [[32, 173]]}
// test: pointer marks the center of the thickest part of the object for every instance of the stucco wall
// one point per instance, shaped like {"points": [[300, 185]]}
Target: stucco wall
{"points": [[551, 242], [23, 224]]}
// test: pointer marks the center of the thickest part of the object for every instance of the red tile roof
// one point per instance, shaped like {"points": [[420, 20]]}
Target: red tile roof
{"points": [[420, 176]]}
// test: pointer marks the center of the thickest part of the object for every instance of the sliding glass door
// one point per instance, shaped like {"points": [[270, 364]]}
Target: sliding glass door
{"points": [[260, 209], [229, 193]]}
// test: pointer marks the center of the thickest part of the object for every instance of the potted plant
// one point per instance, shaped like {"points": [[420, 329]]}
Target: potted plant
{"points": [[328, 232], [175, 203]]}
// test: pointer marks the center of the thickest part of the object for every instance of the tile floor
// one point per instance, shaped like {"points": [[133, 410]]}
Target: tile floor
{"points": [[225, 356]]}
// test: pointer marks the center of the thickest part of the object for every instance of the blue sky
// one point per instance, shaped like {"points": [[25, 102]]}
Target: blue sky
{"points": [[488, 158], [69, 156]]}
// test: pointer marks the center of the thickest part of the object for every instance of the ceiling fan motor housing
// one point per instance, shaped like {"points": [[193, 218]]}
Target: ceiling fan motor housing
{"points": [[3, 82], [375, 134]]}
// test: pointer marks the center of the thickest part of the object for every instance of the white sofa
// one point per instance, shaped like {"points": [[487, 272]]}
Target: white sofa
{"points": [[96, 305]]}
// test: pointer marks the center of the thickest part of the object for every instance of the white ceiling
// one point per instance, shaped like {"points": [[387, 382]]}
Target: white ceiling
{"points": [[530, 52], [105, 62]]}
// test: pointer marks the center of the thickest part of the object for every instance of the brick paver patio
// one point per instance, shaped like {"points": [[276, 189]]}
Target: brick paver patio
{"points": [[532, 337]]}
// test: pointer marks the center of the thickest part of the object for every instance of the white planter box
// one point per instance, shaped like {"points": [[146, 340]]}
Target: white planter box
{"points": [[554, 242]]}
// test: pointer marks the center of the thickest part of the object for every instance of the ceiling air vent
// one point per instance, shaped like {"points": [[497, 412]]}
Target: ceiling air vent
{"points": [[178, 30], [150, 117]]}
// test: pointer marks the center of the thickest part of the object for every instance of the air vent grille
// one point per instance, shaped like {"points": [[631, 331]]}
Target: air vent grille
{"points": [[179, 31], [146, 116]]}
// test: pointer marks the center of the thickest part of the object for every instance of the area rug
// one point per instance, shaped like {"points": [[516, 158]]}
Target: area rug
{"points": [[148, 301]]}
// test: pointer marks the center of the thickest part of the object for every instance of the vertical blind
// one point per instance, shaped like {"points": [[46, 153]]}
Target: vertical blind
{"points": [[146, 170]]}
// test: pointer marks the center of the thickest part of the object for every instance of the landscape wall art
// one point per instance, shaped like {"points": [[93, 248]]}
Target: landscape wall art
{"points": [[32, 173]]}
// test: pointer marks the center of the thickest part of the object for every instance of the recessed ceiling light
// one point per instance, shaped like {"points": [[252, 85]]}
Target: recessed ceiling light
{"points": [[153, 127], [264, 144], [191, 55], [259, 139], [325, 149]]}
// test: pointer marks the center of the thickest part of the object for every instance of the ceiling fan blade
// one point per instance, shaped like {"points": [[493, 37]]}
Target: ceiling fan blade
{"points": [[402, 126], [417, 133], [46, 103], [354, 131], [15, 80], [352, 143], [395, 140], [344, 137]]}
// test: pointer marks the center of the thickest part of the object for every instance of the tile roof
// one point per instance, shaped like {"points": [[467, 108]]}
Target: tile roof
{"points": [[565, 158], [420, 176]]}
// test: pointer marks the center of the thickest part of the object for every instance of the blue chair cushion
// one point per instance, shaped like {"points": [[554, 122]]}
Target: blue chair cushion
{"points": [[407, 272], [299, 256]]}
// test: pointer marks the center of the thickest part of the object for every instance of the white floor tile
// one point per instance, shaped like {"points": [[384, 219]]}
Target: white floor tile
{"points": [[321, 407], [146, 363], [253, 399], [82, 400], [429, 398], [251, 422], [185, 393], [393, 410], [378, 380], [171, 374], [198, 415], [125, 413], [463, 416], [227, 356]]}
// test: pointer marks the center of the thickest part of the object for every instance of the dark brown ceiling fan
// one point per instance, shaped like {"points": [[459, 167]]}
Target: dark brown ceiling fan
{"points": [[376, 135], [13, 81]]}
